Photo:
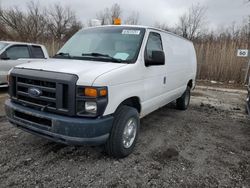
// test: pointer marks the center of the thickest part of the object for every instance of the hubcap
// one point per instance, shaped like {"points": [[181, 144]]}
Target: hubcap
{"points": [[129, 133]]}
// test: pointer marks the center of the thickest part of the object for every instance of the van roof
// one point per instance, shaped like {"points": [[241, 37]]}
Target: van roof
{"points": [[145, 27], [14, 42]]}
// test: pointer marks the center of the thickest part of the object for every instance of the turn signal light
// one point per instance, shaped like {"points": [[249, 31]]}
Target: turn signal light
{"points": [[103, 92], [93, 91], [90, 92]]}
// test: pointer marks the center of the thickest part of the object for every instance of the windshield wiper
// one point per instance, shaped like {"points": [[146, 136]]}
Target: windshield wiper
{"points": [[94, 54], [62, 54]]}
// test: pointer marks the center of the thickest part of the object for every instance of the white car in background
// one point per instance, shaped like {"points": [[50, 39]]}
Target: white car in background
{"points": [[16, 53]]}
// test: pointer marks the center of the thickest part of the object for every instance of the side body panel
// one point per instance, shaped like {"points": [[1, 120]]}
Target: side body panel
{"points": [[6, 66], [180, 65]]}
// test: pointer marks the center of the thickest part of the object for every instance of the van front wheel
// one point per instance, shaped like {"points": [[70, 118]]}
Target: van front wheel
{"points": [[124, 133], [182, 103]]}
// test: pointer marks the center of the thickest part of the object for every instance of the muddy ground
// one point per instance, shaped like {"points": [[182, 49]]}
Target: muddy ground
{"points": [[206, 146]]}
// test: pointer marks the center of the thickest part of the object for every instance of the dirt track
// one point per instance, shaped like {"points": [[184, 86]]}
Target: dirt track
{"points": [[207, 145]]}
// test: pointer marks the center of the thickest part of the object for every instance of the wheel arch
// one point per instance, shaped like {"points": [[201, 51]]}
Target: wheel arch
{"points": [[132, 102], [190, 83]]}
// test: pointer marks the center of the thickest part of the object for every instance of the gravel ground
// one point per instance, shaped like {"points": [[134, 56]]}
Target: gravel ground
{"points": [[205, 146]]}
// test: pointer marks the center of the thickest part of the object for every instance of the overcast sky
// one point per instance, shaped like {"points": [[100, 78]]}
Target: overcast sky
{"points": [[219, 12]]}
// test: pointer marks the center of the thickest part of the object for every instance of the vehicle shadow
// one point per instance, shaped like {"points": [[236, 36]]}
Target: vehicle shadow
{"points": [[3, 90]]}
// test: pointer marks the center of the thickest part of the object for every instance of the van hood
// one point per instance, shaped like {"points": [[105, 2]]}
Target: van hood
{"points": [[87, 71]]}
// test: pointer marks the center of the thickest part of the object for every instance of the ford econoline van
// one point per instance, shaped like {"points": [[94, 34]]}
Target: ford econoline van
{"points": [[100, 83]]}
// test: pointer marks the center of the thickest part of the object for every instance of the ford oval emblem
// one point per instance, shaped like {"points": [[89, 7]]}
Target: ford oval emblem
{"points": [[34, 92]]}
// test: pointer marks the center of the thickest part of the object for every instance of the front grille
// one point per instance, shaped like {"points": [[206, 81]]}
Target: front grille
{"points": [[37, 120], [48, 97], [57, 90]]}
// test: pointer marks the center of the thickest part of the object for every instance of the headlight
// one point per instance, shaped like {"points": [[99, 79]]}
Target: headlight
{"points": [[91, 101], [90, 107]]}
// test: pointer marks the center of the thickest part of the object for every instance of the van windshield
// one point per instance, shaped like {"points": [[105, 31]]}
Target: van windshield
{"points": [[113, 44], [2, 45]]}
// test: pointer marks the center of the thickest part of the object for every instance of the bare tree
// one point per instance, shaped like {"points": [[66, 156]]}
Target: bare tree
{"points": [[248, 36], [108, 15], [14, 20], [133, 18], [115, 11], [165, 27], [3, 32], [28, 26], [245, 30], [36, 21], [62, 22], [37, 24], [104, 16], [192, 22]]}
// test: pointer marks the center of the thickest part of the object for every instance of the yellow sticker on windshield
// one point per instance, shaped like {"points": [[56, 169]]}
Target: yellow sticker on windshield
{"points": [[131, 32]]}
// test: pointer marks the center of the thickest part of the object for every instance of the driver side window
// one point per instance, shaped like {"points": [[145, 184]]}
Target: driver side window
{"points": [[154, 44], [17, 52]]}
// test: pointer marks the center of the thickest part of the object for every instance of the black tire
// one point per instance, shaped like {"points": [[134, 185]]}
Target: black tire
{"points": [[182, 103], [114, 146]]}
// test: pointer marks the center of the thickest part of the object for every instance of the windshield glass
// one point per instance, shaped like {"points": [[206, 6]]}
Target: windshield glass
{"points": [[105, 43], [2, 45]]}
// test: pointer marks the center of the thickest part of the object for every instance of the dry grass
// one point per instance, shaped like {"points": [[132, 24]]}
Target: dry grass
{"points": [[217, 60], [52, 47]]}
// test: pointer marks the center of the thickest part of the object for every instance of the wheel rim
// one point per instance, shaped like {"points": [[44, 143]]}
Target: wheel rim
{"points": [[187, 98], [129, 133]]}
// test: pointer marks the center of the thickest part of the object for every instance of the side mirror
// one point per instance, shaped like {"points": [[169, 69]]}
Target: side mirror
{"points": [[158, 58], [4, 56]]}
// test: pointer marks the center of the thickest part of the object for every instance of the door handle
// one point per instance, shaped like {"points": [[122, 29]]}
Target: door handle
{"points": [[164, 80]]}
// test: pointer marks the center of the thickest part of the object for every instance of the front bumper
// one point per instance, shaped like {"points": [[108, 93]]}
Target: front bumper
{"points": [[62, 129]]}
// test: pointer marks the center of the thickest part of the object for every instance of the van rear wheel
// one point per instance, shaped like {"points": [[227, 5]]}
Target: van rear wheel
{"points": [[124, 133], [182, 103]]}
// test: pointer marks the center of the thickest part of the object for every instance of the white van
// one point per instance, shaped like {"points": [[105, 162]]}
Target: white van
{"points": [[98, 86]]}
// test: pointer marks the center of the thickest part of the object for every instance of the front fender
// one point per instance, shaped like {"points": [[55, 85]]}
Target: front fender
{"points": [[119, 93]]}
